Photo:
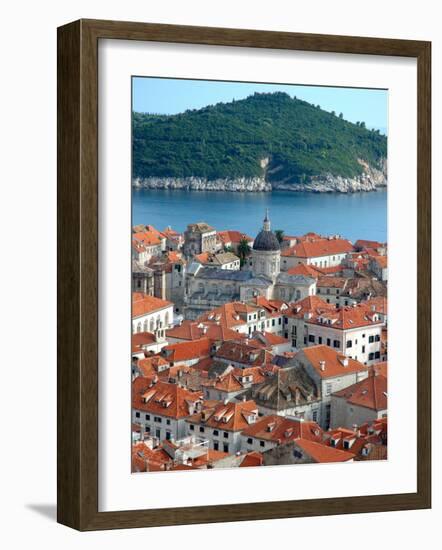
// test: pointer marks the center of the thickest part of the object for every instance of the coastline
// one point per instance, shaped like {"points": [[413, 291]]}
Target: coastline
{"points": [[370, 180]]}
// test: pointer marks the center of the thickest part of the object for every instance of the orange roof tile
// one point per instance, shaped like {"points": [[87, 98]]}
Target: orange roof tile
{"points": [[282, 430], [143, 304], [152, 365], [227, 417], [185, 351], [304, 269], [194, 330], [370, 393], [310, 304], [323, 453], [233, 236], [318, 248], [347, 317], [334, 363], [162, 398], [254, 458]]}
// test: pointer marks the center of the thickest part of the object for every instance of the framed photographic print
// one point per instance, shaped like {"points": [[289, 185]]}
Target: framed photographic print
{"points": [[243, 275]]}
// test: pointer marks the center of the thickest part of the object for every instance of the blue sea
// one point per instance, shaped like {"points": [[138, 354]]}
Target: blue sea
{"points": [[354, 216]]}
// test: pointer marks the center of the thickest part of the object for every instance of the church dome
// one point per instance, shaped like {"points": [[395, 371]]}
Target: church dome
{"points": [[266, 240]]}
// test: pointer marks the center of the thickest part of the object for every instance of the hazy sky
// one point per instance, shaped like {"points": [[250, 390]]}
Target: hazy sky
{"points": [[171, 96]]}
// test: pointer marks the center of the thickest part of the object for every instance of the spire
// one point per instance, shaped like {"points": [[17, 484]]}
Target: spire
{"points": [[266, 224]]}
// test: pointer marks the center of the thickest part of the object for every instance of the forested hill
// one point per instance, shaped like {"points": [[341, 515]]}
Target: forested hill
{"points": [[267, 135]]}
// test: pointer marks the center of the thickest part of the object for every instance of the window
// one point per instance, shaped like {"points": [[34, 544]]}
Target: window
{"points": [[157, 419], [147, 416], [305, 339], [273, 322], [328, 389], [249, 440], [215, 432], [226, 447], [377, 338], [328, 342], [370, 356], [286, 321], [315, 416], [311, 338], [371, 339], [349, 343], [261, 443], [168, 435], [297, 454], [168, 421], [202, 429], [363, 349], [279, 321], [216, 445], [137, 414], [336, 343], [377, 354], [191, 427], [226, 435], [319, 339], [158, 433]]}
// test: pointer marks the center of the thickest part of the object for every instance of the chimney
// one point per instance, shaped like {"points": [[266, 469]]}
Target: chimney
{"points": [[322, 365]]}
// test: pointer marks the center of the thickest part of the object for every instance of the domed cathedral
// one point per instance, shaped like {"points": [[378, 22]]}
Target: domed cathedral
{"points": [[266, 252]]}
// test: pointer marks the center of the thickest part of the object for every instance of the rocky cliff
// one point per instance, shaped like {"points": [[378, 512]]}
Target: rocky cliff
{"points": [[371, 179]]}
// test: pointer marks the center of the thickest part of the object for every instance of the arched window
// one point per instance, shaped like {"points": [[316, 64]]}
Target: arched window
{"points": [[298, 295], [167, 318], [152, 325], [145, 325], [139, 327]]}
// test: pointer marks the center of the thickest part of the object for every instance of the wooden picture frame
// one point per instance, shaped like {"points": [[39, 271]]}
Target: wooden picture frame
{"points": [[78, 274]]}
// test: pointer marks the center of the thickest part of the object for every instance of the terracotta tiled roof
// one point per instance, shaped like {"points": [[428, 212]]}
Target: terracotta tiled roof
{"points": [[251, 459], [380, 368], [147, 238], [141, 340], [304, 269], [361, 243], [268, 339], [150, 366], [229, 315], [145, 459], [281, 430], [334, 363], [370, 393], [378, 304], [319, 452], [318, 248], [347, 317], [185, 351], [233, 237], [194, 330], [227, 417], [143, 304], [162, 398], [236, 379], [244, 353], [272, 307], [382, 261], [310, 304]]}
